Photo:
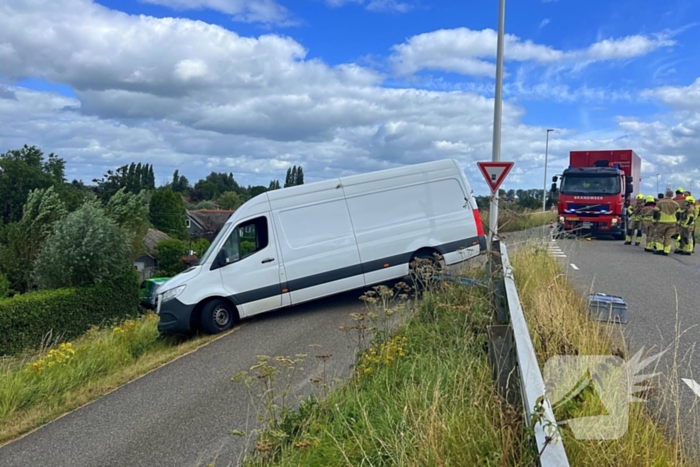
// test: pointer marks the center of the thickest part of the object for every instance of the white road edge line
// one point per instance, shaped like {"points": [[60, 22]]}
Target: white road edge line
{"points": [[574, 266], [692, 385]]}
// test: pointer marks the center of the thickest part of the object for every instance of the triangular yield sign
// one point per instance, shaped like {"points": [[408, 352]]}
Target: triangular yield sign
{"points": [[495, 172]]}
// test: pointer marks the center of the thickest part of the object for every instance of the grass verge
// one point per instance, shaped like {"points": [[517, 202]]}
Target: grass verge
{"points": [[36, 390], [420, 396], [557, 318], [513, 221]]}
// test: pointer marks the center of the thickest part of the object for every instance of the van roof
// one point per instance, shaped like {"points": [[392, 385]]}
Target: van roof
{"points": [[364, 177]]}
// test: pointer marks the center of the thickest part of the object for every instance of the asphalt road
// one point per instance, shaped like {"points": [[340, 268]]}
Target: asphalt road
{"points": [[180, 414], [663, 298]]}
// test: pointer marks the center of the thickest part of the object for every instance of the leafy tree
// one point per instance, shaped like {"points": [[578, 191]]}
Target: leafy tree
{"points": [[274, 185], [254, 191], [87, 247], [167, 213], [209, 190], [217, 183], [295, 176], [5, 290], [132, 177], [25, 238], [205, 205], [230, 200], [299, 180], [131, 212], [180, 184], [170, 256], [23, 170]]}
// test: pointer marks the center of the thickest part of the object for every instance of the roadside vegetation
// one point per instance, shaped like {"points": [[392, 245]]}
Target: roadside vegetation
{"points": [[39, 387], [420, 395], [556, 314], [512, 220]]}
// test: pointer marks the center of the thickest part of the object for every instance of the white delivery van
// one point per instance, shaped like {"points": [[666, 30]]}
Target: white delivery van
{"points": [[301, 243]]}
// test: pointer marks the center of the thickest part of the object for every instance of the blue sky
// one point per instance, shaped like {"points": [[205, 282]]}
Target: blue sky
{"points": [[345, 86]]}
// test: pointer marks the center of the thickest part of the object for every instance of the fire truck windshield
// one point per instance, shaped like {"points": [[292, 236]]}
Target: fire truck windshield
{"points": [[590, 185]]}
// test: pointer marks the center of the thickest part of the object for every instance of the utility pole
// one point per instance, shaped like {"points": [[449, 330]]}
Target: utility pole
{"points": [[497, 109], [544, 189]]}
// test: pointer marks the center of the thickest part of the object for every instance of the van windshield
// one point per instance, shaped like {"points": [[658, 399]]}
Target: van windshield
{"points": [[590, 185], [213, 244]]}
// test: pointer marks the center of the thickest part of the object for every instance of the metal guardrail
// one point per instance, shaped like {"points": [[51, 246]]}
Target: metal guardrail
{"points": [[514, 360]]}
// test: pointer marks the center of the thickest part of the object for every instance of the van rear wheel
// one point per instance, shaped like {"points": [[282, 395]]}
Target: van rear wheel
{"points": [[217, 316], [422, 270]]}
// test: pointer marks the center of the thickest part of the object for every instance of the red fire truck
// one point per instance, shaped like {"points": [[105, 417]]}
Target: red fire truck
{"points": [[596, 189]]}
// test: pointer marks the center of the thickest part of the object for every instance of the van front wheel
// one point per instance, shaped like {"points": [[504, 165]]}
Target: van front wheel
{"points": [[217, 316]]}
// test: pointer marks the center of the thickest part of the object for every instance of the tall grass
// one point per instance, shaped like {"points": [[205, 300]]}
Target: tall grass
{"points": [[510, 220], [558, 320], [35, 390], [422, 396]]}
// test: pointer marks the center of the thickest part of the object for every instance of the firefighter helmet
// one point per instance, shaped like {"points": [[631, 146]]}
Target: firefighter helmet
{"points": [[640, 196], [690, 199], [650, 199], [680, 190]]}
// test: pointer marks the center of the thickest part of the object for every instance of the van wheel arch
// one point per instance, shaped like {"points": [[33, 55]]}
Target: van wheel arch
{"points": [[196, 316], [430, 254]]}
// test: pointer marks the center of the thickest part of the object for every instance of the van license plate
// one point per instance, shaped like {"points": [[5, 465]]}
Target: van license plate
{"points": [[586, 225]]}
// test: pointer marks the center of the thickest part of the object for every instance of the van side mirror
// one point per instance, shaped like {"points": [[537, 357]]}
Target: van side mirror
{"points": [[554, 179], [630, 187], [553, 189]]}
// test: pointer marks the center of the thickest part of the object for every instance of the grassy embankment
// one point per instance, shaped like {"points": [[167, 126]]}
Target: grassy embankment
{"points": [[425, 395], [35, 389], [422, 395], [557, 318], [512, 221]]}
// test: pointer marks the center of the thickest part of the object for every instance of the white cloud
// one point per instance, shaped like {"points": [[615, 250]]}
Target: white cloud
{"points": [[471, 52], [545, 22], [249, 11], [375, 5], [185, 94], [680, 97]]}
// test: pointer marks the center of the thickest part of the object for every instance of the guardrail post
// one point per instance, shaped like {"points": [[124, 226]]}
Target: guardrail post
{"points": [[503, 362], [497, 292]]}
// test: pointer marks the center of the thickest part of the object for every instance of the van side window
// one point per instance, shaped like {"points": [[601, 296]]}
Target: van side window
{"points": [[246, 239]]}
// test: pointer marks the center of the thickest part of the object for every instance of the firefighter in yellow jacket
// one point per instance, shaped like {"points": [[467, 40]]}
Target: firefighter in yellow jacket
{"points": [[634, 222], [686, 221], [665, 220], [648, 223]]}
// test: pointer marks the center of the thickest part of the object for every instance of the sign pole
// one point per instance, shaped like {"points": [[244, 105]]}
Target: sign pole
{"points": [[497, 109]]}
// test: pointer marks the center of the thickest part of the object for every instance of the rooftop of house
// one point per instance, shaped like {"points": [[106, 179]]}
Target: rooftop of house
{"points": [[212, 219], [152, 238]]}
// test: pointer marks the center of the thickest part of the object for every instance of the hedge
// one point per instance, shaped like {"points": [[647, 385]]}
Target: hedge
{"points": [[26, 319]]}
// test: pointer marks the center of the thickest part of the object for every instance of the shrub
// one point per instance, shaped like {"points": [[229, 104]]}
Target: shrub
{"points": [[4, 286], [170, 253], [25, 320], [200, 246], [86, 248]]}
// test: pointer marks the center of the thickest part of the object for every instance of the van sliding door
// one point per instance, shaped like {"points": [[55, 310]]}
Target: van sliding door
{"points": [[317, 245]]}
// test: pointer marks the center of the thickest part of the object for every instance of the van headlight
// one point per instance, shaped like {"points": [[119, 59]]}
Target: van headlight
{"points": [[172, 293], [614, 221]]}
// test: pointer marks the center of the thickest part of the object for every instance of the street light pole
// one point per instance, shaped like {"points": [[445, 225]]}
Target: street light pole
{"points": [[497, 109], [544, 189]]}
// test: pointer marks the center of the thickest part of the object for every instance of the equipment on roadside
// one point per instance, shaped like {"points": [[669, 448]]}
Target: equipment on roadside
{"points": [[609, 308]]}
